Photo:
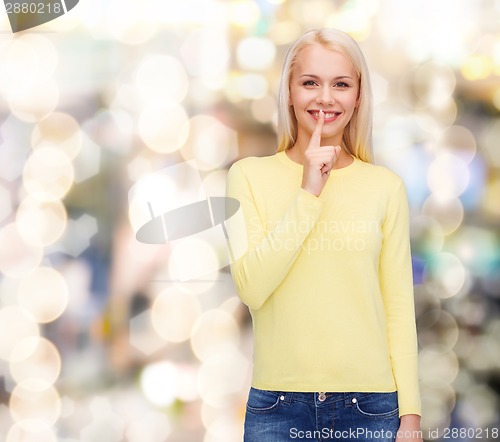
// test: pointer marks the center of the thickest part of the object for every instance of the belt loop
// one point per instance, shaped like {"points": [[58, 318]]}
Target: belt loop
{"points": [[286, 397], [348, 398]]}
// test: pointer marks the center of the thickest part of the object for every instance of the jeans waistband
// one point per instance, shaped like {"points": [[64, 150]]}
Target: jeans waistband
{"points": [[323, 397]]}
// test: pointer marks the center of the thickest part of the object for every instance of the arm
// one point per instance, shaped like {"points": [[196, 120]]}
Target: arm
{"points": [[396, 285], [269, 255]]}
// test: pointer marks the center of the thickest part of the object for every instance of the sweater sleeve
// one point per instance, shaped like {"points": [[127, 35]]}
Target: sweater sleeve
{"points": [[396, 285], [269, 253]]}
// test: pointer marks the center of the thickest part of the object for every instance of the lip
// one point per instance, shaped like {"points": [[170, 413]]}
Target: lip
{"points": [[329, 115]]}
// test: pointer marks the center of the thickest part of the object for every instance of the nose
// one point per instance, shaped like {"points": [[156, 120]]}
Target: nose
{"points": [[325, 96]]}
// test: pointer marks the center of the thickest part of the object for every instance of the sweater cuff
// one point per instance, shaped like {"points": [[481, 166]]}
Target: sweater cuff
{"points": [[406, 376]]}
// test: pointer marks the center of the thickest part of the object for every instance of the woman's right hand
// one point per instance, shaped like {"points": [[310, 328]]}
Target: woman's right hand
{"points": [[318, 160]]}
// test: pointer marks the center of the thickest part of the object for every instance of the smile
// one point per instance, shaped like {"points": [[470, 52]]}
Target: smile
{"points": [[329, 116]]}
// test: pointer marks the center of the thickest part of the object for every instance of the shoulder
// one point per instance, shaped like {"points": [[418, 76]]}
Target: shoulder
{"points": [[382, 176], [249, 166]]}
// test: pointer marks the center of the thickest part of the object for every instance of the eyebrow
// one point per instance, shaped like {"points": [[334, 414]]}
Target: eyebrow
{"points": [[336, 78]]}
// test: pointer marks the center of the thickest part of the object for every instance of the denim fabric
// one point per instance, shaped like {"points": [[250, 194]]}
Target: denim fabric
{"points": [[274, 416]]}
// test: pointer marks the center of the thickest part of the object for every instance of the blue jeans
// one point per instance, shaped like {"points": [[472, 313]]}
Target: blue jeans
{"points": [[274, 416]]}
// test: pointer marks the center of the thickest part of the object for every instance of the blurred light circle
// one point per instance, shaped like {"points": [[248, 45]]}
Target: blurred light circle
{"points": [[427, 234], [255, 53], [174, 313], [457, 140], [448, 176], [153, 423], [17, 257], [483, 353], [221, 376], [215, 331], [252, 86], [478, 406], [159, 383], [264, 109], [449, 213], [438, 366], [284, 32], [27, 60], [43, 293], [438, 400], [428, 301], [205, 53], [224, 429], [434, 84], [209, 142], [41, 223], [209, 413], [198, 286], [445, 274], [131, 25], [477, 67], [138, 167], [231, 88], [60, 131], [112, 129], [463, 380], [380, 86], [443, 331], [478, 248], [489, 141], [15, 325], [35, 358], [214, 183], [186, 385], [491, 197], [352, 20], [163, 126], [48, 174], [18, 432], [35, 405], [152, 188], [244, 13], [443, 115], [5, 203], [428, 122], [161, 77], [192, 257], [34, 103], [471, 313]]}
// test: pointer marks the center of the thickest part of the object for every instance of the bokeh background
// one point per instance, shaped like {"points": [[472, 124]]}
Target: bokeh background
{"points": [[99, 340]]}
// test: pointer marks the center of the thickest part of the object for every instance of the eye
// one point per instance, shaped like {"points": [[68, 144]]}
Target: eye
{"points": [[341, 84], [309, 83]]}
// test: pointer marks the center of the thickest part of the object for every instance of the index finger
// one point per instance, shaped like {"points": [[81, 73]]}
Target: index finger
{"points": [[316, 135]]}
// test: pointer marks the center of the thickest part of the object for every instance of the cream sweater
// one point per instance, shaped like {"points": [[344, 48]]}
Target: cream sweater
{"points": [[328, 279]]}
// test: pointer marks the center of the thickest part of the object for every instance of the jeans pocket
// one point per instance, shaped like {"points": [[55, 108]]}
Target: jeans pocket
{"points": [[378, 404], [262, 401]]}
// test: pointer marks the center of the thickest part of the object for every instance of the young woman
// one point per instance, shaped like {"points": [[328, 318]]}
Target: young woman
{"points": [[327, 269]]}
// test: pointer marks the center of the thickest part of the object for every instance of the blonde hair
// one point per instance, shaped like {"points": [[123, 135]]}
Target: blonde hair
{"points": [[357, 137]]}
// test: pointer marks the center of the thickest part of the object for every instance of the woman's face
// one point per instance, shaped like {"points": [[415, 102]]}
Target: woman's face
{"points": [[323, 79]]}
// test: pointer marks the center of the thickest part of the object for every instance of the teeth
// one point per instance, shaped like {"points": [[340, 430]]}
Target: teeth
{"points": [[327, 114]]}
